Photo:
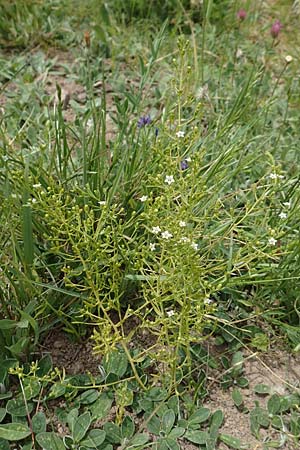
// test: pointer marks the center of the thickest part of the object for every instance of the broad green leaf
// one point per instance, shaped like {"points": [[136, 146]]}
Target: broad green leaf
{"points": [[172, 444], [138, 440], [17, 407], [39, 422], [157, 394], [173, 403], [176, 432], [197, 436], [4, 445], [116, 362], [242, 382], [232, 442], [237, 397], [44, 365], [161, 445], [199, 416], [101, 407], [93, 439], [113, 433], [237, 363], [258, 418], [31, 388], [127, 427], [262, 389], [168, 421], [277, 423], [288, 401], [273, 404], [88, 397], [153, 425], [50, 441], [216, 422], [80, 426], [14, 431], [57, 390], [105, 447]]}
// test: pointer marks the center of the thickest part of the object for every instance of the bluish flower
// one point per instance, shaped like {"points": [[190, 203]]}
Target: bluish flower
{"points": [[184, 164], [143, 121]]}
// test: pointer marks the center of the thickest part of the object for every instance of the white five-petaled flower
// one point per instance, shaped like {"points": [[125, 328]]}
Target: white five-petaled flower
{"points": [[166, 235], [143, 198], [194, 246], [283, 215], [152, 246], [287, 204], [180, 134], [156, 230], [182, 223], [272, 241], [275, 176], [170, 313], [184, 239], [169, 179]]}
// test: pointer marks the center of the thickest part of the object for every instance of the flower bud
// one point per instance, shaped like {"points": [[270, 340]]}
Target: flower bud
{"points": [[275, 29]]}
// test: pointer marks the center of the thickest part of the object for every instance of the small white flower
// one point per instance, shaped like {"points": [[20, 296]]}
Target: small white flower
{"points": [[288, 59], [188, 159], [156, 230], [239, 53], [170, 313], [182, 223], [32, 200], [152, 246], [102, 202], [273, 176], [281, 177], [208, 301], [169, 179], [37, 185], [194, 246], [166, 235], [283, 215], [272, 241], [287, 204], [143, 198], [180, 134], [184, 239]]}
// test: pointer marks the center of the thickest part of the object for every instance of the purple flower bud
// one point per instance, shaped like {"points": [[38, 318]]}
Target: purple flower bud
{"points": [[241, 14], [143, 121], [184, 164], [276, 28]]}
